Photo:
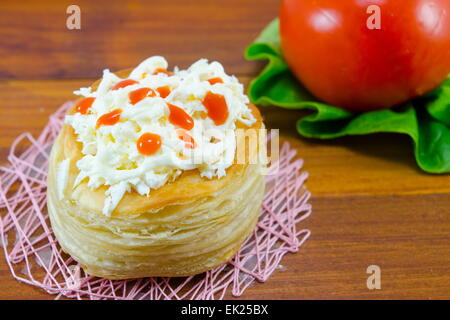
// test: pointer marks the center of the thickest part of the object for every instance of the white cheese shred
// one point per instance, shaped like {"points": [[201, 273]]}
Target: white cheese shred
{"points": [[62, 175]]}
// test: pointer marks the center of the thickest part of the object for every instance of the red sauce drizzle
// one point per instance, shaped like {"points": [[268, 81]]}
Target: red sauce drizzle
{"points": [[180, 118], [84, 105], [148, 143], [152, 93], [139, 94], [216, 106], [124, 83], [188, 140], [109, 119], [162, 70], [163, 91], [213, 81]]}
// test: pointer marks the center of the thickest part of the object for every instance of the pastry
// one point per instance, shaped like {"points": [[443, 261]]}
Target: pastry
{"points": [[144, 178]]}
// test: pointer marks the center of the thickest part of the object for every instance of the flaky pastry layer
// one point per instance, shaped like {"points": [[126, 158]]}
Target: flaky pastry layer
{"points": [[183, 228]]}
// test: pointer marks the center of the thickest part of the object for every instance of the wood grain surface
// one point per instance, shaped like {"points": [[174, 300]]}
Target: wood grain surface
{"points": [[371, 204]]}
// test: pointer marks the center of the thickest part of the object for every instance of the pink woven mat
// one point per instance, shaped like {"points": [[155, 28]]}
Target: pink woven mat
{"points": [[34, 256]]}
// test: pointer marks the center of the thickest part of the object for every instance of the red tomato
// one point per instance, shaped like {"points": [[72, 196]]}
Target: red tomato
{"points": [[332, 51]]}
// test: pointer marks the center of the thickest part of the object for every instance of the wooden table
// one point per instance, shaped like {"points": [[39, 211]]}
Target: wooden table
{"points": [[371, 204]]}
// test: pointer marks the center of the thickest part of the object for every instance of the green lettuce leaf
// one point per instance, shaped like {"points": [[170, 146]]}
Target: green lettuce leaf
{"points": [[425, 120]]}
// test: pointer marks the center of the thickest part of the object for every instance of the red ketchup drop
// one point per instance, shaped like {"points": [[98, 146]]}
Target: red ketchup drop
{"points": [[124, 83], [189, 142], [216, 106], [139, 94], [84, 105], [163, 91], [180, 118], [162, 70], [109, 119], [213, 81], [148, 143]]}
